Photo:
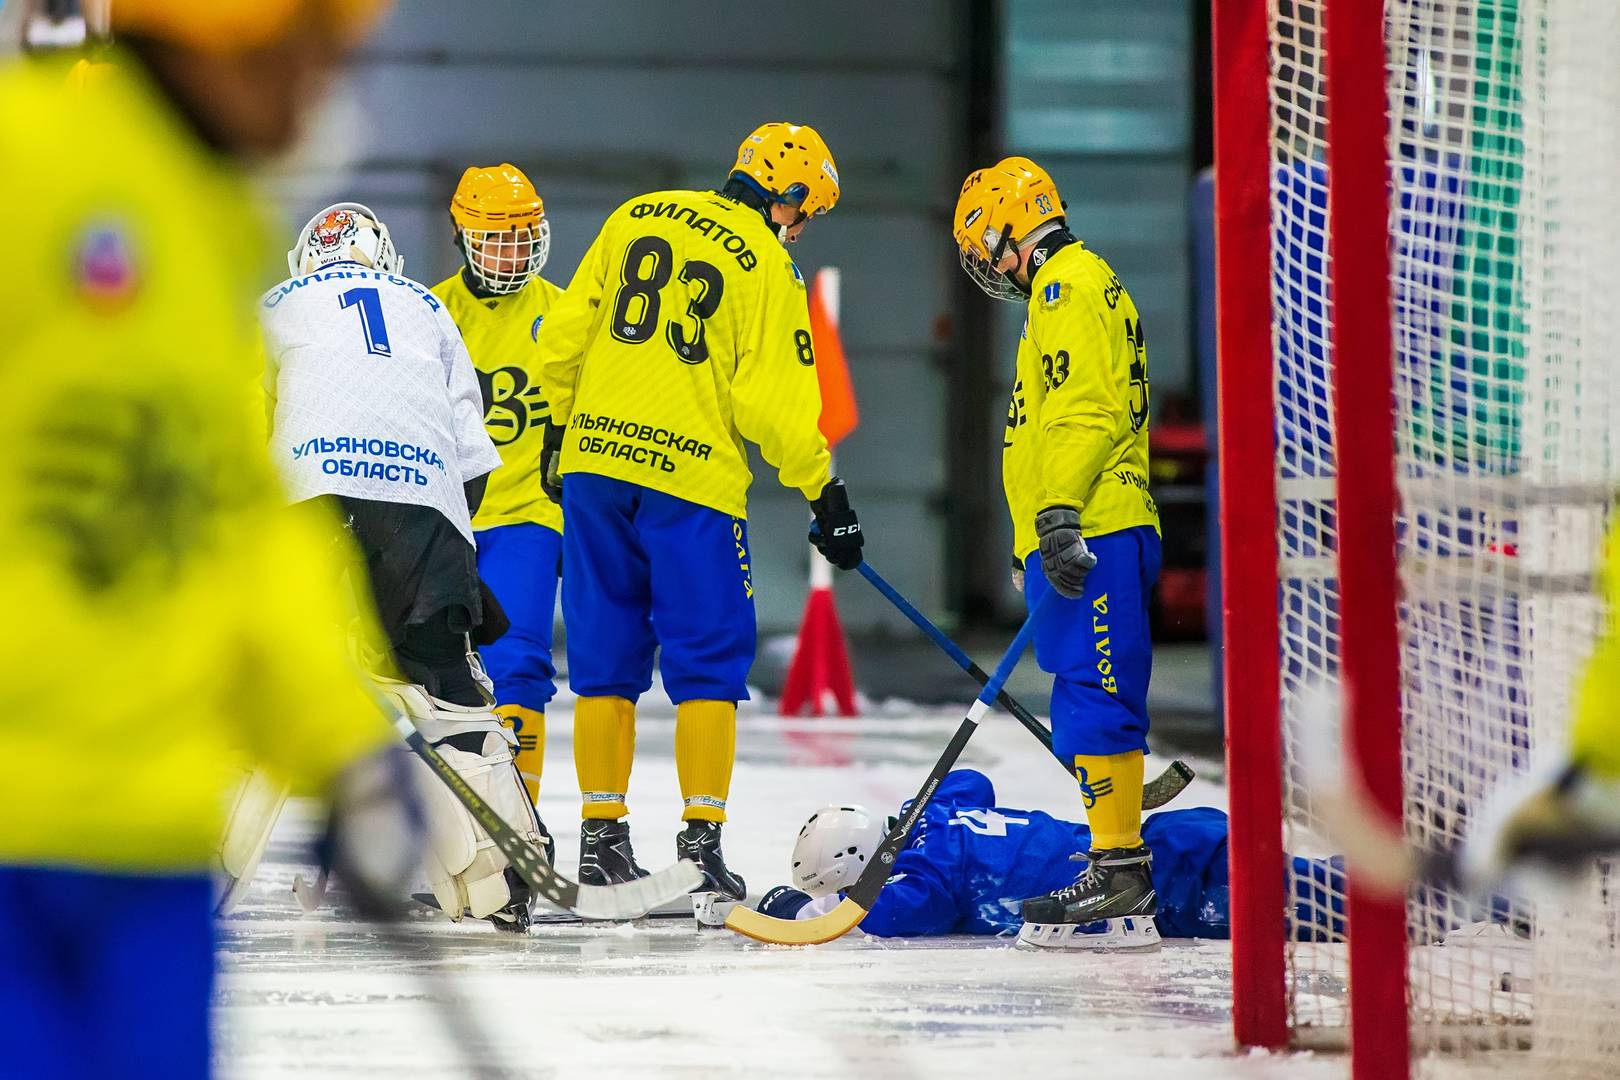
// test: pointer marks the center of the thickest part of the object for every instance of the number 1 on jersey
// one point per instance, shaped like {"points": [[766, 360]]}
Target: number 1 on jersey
{"points": [[371, 318]]}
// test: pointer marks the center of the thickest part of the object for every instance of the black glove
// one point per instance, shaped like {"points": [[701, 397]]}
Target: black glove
{"points": [[1065, 559], [783, 902], [551, 461], [837, 531], [496, 621]]}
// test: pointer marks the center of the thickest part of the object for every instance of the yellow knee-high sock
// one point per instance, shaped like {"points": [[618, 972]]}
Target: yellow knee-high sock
{"points": [[1111, 785], [705, 748], [627, 743], [529, 725], [602, 753]]}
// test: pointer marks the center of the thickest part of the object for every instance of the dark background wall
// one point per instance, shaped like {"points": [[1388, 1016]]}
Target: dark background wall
{"points": [[601, 102]]}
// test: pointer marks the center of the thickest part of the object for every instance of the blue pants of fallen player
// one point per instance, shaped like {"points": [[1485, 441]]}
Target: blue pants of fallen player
{"points": [[104, 974], [645, 571], [1097, 647], [520, 563]]}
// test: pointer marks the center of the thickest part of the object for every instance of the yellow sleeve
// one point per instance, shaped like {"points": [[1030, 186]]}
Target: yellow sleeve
{"points": [[775, 396], [307, 710], [1595, 737], [567, 328], [1084, 412]]}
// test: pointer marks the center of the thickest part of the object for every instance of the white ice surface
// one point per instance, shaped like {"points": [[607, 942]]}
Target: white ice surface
{"points": [[322, 995]]}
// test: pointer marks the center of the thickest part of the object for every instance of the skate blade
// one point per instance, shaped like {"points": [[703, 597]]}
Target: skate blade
{"points": [[310, 896], [711, 908], [1131, 933]]}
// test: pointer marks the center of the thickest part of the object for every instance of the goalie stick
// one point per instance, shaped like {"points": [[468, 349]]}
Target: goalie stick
{"points": [[859, 898], [1158, 791], [680, 912], [628, 900]]}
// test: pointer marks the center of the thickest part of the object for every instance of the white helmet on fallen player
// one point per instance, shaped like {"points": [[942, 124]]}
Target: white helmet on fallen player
{"points": [[345, 232], [834, 847]]}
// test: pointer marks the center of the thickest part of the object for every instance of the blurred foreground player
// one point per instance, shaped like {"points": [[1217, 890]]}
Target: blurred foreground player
{"points": [[1075, 467], [684, 332], [498, 299], [172, 614], [1562, 818], [376, 411]]}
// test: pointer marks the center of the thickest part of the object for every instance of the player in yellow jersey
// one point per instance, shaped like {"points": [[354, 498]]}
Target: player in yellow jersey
{"points": [[169, 611], [1075, 466], [499, 300], [684, 332], [1595, 735]]}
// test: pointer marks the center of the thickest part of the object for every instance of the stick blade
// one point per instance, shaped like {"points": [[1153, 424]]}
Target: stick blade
{"points": [[1172, 782], [633, 899], [818, 931]]}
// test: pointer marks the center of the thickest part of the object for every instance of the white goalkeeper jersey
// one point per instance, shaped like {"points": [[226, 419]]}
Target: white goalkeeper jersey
{"points": [[372, 393]]}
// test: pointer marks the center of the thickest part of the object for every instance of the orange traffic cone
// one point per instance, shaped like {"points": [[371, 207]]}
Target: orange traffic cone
{"points": [[820, 667]]}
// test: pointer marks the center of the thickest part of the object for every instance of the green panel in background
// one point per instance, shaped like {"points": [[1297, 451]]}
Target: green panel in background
{"points": [[1487, 330]]}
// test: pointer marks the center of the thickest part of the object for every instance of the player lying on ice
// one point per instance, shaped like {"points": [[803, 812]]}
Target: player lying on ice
{"points": [[972, 867], [376, 407]]}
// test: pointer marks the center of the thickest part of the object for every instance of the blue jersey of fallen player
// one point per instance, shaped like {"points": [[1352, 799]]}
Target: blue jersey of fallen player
{"points": [[971, 862]]}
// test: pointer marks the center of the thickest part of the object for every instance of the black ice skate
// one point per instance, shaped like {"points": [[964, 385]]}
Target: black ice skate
{"points": [[605, 856], [518, 912], [1110, 906], [514, 917], [721, 889]]}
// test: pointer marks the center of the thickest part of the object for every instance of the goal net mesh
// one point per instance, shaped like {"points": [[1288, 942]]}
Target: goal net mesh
{"points": [[1504, 236]]}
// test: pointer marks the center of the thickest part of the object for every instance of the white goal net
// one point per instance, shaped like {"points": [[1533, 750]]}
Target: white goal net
{"points": [[1504, 234]]}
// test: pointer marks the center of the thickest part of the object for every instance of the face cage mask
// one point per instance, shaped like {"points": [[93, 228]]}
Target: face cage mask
{"points": [[996, 285], [497, 245]]}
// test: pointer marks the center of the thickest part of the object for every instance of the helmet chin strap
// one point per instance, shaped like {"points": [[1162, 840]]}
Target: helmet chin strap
{"points": [[1041, 245]]}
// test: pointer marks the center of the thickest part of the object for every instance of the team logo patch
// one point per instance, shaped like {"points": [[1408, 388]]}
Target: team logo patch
{"points": [[534, 330], [1056, 294], [105, 266], [797, 276], [1092, 790], [1038, 256]]}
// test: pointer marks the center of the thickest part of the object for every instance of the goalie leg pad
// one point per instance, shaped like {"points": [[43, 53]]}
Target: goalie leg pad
{"points": [[252, 817], [466, 869]]}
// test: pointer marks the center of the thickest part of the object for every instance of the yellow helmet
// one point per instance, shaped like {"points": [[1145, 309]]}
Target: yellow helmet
{"points": [[792, 164], [501, 225], [230, 26], [998, 208]]}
